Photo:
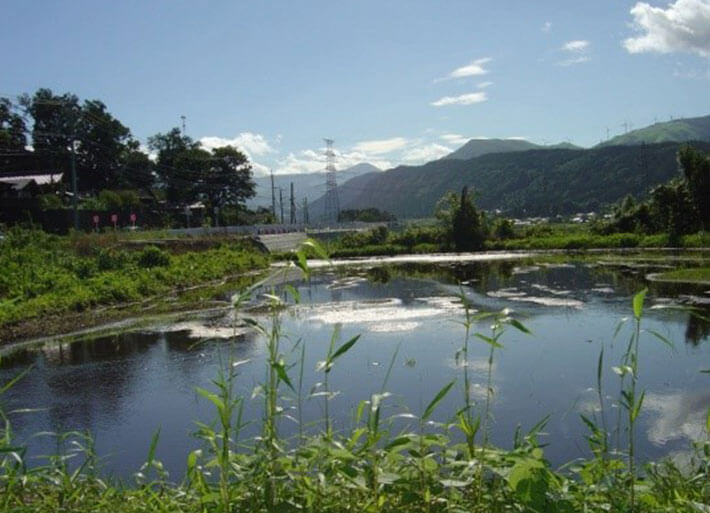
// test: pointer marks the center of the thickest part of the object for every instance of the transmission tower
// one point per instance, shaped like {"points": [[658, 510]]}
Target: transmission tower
{"points": [[332, 205]]}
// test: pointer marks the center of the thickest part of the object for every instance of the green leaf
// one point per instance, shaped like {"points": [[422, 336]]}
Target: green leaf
{"points": [[315, 246], [637, 407], [152, 448], [663, 339], [430, 408], [488, 340], [519, 326], [211, 397], [344, 348], [638, 303], [280, 368], [7, 386], [293, 292], [707, 422]]}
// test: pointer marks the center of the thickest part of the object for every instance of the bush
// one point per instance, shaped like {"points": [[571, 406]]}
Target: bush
{"points": [[153, 256]]}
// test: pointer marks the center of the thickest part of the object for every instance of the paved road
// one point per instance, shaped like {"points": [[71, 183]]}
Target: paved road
{"points": [[282, 241]]}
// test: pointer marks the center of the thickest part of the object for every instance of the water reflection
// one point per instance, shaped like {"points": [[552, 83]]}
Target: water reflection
{"points": [[123, 387]]}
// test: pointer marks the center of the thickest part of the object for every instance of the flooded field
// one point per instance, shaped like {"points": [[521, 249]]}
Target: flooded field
{"points": [[122, 388]]}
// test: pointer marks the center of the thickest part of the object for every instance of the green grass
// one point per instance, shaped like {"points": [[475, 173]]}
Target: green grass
{"points": [[689, 275], [447, 465], [49, 275]]}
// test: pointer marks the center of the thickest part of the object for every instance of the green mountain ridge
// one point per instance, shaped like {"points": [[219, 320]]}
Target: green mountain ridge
{"points": [[477, 147], [539, 182], [678, 130]]}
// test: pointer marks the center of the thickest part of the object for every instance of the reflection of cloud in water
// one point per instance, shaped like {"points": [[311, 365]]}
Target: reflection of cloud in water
{"points": [[200, 330], [447, 303], [550, 301], [477, 365], [391, 327], [513, 294], [386, 315], [550, 290], [679, 415], [346, 283], [506, 293], [603, 289], [525, 269]]}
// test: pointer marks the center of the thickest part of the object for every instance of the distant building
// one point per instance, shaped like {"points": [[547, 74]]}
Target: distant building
{"points": [[28, 186]]}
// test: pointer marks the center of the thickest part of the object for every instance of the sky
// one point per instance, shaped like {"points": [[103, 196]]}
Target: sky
{"points": [[390, 81]]}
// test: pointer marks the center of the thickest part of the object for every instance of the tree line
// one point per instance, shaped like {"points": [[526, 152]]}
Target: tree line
{"points": [[679, 206], [44, 131]]}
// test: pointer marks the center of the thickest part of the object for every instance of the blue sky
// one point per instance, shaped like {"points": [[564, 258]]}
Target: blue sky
{"points": [[391, 81]]}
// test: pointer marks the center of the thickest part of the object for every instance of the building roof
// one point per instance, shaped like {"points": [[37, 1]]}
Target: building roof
{"points": [[20, 181]]}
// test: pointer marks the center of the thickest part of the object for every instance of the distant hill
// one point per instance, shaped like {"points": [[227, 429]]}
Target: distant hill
{"points": [[477, 147], [533, 182], [678, 130], [309, 185]]}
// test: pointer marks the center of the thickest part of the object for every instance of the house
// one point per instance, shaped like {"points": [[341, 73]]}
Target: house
{"points": [[28, 186]]}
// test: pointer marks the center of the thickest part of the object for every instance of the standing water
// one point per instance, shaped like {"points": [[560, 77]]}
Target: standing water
{"points": [[122, 388]]}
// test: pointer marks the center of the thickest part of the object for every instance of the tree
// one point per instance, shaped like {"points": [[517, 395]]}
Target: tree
{"points": [[467, 226], [175, 167], [462, 225], [696, 170], [227, 181], [13, 137], [104, 145], [55, 124]]}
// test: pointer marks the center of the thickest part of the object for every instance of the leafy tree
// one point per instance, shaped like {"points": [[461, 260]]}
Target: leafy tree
{"points": [[462, 225], [104, 144], [177, 156], [55, 125], [696, 169], [467, 225], [227, 180], [13, 137]]}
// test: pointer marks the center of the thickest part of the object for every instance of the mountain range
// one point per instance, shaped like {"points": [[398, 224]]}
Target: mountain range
{"points": [[522, 178]]}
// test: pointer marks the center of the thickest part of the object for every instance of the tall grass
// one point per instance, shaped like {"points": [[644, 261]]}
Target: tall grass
{"points": [[428, 466]]}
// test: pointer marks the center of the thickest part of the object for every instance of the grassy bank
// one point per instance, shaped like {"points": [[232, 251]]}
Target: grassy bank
{"points": [[431, 465], [47, 275], [538, 237]]}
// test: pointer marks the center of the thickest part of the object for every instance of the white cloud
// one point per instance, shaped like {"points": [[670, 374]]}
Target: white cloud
{"points": [[574, 60], [547, 26], [313, 161], [379, 147], [425, 153], [578, 45], [455, 139], [471, 70], [484, 85], [578, 51], [684, 26], [464, 99], [251, 143]]}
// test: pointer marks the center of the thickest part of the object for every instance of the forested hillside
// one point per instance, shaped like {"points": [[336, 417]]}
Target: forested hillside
{"points": [[536, 182]]}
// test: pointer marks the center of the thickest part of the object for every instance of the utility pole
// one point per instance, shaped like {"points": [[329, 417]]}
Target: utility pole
{"points": [[273, 195], [293, 206], [73, 183], [305, 211], [281, 204], [332, 205], [183, 118]]}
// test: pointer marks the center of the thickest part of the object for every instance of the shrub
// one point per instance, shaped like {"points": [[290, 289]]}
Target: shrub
{"points": [[153, 256]]}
